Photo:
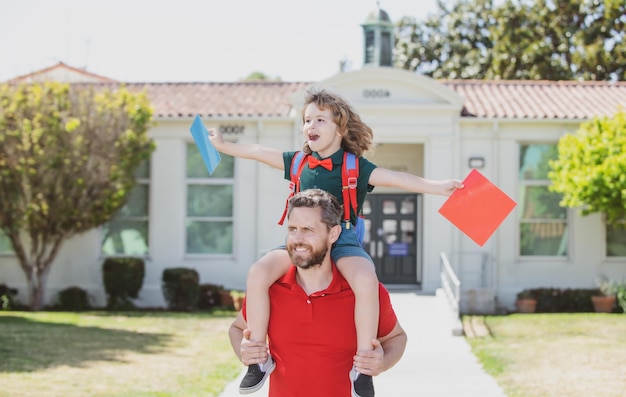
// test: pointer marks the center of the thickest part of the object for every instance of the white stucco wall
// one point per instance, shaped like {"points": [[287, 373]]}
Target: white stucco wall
{"points": [[418, 129], [498, 143]]}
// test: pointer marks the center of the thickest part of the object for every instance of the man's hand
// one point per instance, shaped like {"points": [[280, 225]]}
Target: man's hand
{"points": [[252, 352], [370, 362]]}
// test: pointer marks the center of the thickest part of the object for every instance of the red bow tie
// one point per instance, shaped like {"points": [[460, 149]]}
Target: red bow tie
{"points": [[326, 163]]}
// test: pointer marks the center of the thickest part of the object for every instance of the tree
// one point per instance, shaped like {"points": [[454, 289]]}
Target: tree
{"points": [[559, 40], [67, 156], [591, 168], [455, 43], [260, 76], [517, 39]]}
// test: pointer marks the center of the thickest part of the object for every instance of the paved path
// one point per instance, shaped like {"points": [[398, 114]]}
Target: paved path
{"points": [[435, 363]]}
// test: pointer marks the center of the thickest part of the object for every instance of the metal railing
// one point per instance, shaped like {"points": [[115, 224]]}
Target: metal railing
{"points": [[451, 286]]}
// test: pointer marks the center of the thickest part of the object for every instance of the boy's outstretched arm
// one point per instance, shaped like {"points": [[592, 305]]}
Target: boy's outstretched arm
{"points": [[263, 154], [387, 178]]}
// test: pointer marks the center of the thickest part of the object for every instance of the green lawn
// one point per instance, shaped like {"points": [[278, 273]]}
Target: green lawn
{"points": [[100, 354], [553, 355]]}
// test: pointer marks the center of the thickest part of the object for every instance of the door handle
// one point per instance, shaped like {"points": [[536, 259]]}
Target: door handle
{"points": [[373, 249], [380, 249]]}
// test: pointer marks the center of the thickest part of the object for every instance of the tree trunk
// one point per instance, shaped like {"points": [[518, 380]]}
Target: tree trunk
{"points": [[36, 270], [37, 286]]}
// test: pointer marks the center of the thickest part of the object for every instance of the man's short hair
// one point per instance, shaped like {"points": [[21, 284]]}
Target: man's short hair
{"points": [[317, 198]]}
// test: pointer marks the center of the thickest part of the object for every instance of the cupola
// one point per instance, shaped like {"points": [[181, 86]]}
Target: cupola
{"points": [[378, 39]]}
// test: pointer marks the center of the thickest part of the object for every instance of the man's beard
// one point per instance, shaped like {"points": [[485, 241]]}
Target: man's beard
{"points": [[314, 258]]}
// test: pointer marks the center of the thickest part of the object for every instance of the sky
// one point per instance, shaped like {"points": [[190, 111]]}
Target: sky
{"points": [[191, 40]]}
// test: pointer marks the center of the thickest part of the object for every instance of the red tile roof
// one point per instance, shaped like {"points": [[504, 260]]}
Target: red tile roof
{"points": [[505, 99], [60, 72], [526, 99], [242, 99], [499, 99]]}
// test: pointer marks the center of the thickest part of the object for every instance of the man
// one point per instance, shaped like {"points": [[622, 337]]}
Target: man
{"points": [[311, 332]]}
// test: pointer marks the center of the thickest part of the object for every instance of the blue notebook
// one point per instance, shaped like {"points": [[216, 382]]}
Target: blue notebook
{"points": [[200, 134]]}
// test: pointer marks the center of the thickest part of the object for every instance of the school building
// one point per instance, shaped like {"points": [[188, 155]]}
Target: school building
{"points": [[180, 216]]}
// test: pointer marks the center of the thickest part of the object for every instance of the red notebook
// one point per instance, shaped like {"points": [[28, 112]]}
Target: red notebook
{"points": [[479, 208]]}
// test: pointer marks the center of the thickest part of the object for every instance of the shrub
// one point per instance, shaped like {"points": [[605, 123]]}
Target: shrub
{"points": [[123, 279], [181, 288], [525, 294], [209, 296], [620, 294], [556, 300], [227, 301], [73, 299], [7, 297]]}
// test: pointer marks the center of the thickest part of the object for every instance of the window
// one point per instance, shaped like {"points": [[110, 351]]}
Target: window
{"points": [[543, 222], [386, 49], [616, 240], [5, 244], [127, 232], [370, 46], [209, 223]]}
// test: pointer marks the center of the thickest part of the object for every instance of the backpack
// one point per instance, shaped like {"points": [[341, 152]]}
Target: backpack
{"points": [[349, 178]]}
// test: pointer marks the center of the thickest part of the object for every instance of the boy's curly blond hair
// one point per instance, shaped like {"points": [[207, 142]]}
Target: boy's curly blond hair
{"points": [[357, 137]]}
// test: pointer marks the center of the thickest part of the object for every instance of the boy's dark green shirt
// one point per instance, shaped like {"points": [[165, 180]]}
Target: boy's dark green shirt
{"points": [[330, 181]]}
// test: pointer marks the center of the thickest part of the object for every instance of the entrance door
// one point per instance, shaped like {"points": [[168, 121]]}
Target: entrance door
{"points": [[393, 236]]}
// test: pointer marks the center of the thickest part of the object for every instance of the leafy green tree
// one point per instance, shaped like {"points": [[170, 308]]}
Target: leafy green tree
{"points": [[67, 156], [455, 43], [559, 40], [519, 49], [260, 76], [591, 168], [517, 39]]}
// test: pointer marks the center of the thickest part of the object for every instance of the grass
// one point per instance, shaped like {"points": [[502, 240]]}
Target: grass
{"points": [[160, 354], [552, 355], [101, 354]]}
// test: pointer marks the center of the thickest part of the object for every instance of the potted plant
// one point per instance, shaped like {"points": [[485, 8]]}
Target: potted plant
{"points": [[526, 301], [604, 300], [620, 294], [237, 299]]}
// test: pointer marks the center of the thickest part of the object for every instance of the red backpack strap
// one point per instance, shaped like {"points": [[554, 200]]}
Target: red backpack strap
{"points": [[297, 162], [349, 179]]}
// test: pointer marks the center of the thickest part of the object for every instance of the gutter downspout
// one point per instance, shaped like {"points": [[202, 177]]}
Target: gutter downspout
{"points": [[495, 277]]}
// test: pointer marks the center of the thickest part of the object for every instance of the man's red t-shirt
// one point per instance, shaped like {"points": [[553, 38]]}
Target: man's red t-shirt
{"points": [[313, 338]]}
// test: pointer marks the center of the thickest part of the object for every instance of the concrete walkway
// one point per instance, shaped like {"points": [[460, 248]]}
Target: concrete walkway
{"points": [[435, 363]]}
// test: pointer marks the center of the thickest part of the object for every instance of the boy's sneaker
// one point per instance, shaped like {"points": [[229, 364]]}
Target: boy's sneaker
{"points": [[256, 376], [362, 385]]}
